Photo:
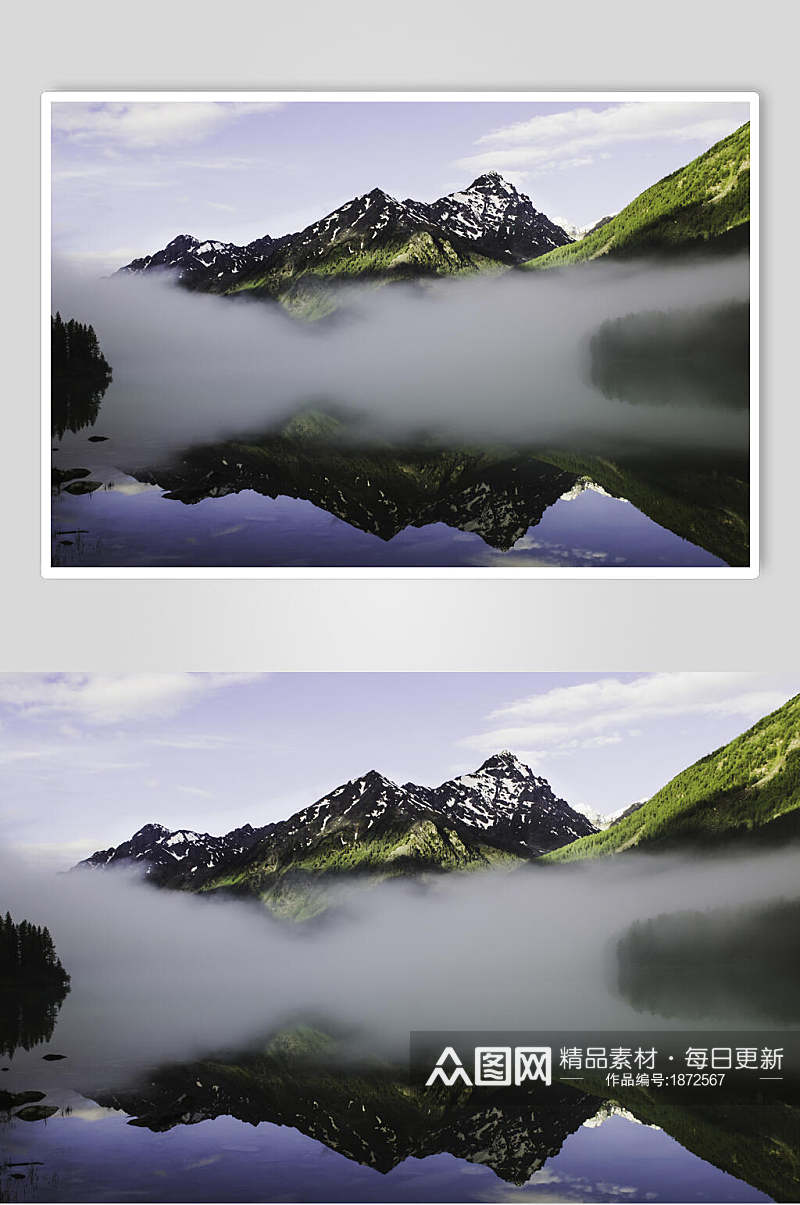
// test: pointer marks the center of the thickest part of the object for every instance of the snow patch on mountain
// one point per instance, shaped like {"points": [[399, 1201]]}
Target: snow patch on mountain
{"points": [[583, 484], [576, 233], [607, 1111], [592, 815]]}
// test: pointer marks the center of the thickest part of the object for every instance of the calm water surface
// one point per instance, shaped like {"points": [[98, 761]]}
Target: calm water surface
{"points": [[89, 1153], [129, 524]]}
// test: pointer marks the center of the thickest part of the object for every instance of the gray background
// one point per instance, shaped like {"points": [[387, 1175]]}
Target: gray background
{"points": [[396, 624]]}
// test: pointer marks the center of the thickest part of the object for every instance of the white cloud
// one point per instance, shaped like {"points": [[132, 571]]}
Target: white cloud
{"points": [[145, 124], [98, 699], [219, 163], [606, 711], [9, 757], [577, 136], [80, 761], [203, 741], [196, 791], [64, 175], [101, 259], [57, 854]]}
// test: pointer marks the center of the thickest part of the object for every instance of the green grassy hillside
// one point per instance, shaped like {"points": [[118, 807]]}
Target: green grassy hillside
{"points": [[307, 286], [750, 788], [296, 881], [706, 201]]}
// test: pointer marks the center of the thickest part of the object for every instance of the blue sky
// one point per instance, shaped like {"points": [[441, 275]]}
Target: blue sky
{"points": [[86, 759], [128, 177]]}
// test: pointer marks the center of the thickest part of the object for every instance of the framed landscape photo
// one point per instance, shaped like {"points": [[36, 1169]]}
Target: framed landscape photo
{"points": [[400, 334], [534, 947]]}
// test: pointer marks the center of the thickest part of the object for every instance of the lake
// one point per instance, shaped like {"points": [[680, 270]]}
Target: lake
{"points": [[232, 436], [90, 1153], [124, 524], [275, 1070]]}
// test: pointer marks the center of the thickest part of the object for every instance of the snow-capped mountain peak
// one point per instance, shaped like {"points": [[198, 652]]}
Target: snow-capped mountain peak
{"points": [[592, 815], [380, 194], [493, 182], [519, 807], [576, 233], [153, 830], [160, 849], [502, 805], [504, 221], [506, 762], [490, 218], [192, 260]]}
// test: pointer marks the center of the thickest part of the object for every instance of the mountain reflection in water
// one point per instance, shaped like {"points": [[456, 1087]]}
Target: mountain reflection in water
{"points": [[313, 1108], [494, 506], [391, 1140], [649, 409]]}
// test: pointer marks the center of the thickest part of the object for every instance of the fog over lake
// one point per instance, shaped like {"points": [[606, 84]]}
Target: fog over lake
{"points": [[484, 359], [158, 975]]}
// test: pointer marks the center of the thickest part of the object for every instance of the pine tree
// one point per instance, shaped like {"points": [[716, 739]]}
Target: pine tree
{"points": [[28, 955], [80, 374]]}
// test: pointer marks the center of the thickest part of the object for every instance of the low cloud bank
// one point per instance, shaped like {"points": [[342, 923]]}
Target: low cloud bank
{"points": [[165, 976], [472, 359]]}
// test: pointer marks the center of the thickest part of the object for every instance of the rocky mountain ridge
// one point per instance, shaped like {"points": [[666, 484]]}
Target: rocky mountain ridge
{"points": [[500, 813], [488, 226]]}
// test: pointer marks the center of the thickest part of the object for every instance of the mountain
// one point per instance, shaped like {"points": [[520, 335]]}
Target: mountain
{"points": [[509, 805], [705, 502], [749, 790], [602, 821], [193, 261], [488, 227], [178, 853], [502, 813], [704, 204], [369, 1112], [498, 219], [576, 233], [497, 494], [373, 238], [622, 813], [594, 817], [598, 225]]}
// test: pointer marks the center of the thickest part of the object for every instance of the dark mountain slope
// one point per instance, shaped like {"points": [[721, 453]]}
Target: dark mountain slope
{"points": [[372, 1115], [368, 827], [375, 487], [374, 237], [369, 1114], [497, 219], [505, 798]]}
